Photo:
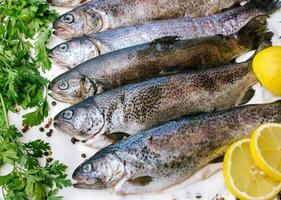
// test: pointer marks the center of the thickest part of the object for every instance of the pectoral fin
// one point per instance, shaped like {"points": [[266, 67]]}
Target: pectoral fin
{"points": [[247, 96], [106, 139], [141, 181], [166, 40], [174, 70], [218, 160], [115, 137], [142, 184]]}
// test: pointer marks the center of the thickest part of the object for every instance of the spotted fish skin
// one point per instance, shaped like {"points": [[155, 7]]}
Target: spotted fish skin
{"points": [[229, 22], [143, 105], [100, 15], [150, 60], [164, 156], [226, 23]]}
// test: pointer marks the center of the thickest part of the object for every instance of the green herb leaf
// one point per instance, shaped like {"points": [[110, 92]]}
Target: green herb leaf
{"points": [[41, 51], [21, 22], [35, 118]]}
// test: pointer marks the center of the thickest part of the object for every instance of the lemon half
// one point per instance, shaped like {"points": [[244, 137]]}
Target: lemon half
{"points": [[266, 149], [243, 177], [267, 67]]}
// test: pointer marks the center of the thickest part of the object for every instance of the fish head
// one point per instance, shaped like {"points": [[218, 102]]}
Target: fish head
{"points": [[72, 87], [81, 121], [74, 52], [102, 171], [66, 3], [78, 22]]}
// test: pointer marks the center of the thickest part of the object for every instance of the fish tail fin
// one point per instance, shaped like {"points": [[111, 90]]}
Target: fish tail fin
{"points": [[266, 6], [255, 33]]}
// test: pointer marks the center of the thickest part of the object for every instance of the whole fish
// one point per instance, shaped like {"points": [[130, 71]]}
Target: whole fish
{"points": [[100, 15], [150, 60], [107, 117], [78, 50], [164, 156]]}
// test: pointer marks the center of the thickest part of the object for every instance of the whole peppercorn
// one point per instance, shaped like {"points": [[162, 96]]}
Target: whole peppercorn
{"points": [[74, 140], [50, 159]]}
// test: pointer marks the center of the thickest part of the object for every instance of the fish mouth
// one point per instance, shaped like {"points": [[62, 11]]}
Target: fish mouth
{"points": [[60, 126], [56, 60], [86, 185], [67, 129], [60, 62], [65, 4], [63, 99], [51, 55], [64, 32]]}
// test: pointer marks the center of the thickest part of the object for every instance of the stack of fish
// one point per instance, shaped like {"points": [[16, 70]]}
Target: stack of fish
{"points": [[155, 88]]}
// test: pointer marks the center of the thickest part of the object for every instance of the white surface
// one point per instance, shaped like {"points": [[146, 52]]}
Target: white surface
{"points": [[70, 154]]}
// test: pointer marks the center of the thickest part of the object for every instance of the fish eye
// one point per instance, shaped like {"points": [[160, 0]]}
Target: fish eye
{"points": [[87, 168], [67, 114], [63, 85], [63, 47], [68, 18]]}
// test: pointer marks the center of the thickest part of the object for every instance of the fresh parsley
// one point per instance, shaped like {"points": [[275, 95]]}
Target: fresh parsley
{"points": [[25, 29], [22, 22], [29, 179]]}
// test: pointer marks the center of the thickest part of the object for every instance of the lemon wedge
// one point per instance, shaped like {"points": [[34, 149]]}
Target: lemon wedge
{"points": [[243, 177], [266, 149], [267, 67]]}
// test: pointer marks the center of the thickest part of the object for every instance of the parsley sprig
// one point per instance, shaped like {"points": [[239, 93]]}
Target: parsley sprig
{"points": [[22, 22], [21, 60]]}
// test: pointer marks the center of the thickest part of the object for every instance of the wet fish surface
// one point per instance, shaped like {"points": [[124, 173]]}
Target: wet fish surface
{"points": [[164, 156], [163, 56], [78, 50], [100, 15], [107, 117]]}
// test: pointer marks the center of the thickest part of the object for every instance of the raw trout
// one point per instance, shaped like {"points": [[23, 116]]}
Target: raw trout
{"points": [[100, 15], [167, 155], [136, 107], [149, 60], [78, 50]]}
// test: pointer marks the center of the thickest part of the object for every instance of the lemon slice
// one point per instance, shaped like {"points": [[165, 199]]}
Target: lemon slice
{"points": [[267, 67], [266, 149], [243, 178]]}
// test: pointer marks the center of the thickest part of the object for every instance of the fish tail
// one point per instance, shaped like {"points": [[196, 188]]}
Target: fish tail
{"points": [[255, 33], [266, 6]]}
